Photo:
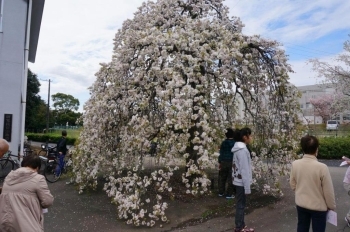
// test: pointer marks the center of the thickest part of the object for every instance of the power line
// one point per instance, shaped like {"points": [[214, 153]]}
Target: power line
{"points": [[303, 48]]}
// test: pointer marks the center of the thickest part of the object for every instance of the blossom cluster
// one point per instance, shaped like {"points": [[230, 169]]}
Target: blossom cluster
{"points": [[131, 195]]}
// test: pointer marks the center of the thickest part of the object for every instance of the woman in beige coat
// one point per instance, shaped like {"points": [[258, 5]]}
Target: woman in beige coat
{"points": [[25, 193]]}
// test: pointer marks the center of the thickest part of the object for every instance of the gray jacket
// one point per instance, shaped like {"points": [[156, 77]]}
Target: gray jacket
{"points": [[241, 167]]}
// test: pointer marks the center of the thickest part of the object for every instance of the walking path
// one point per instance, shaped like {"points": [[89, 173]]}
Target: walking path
{"points": [[93, 212]]}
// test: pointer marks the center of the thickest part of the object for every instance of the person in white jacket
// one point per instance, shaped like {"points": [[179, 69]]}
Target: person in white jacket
{"points": [[346, 184], [241, 175]]}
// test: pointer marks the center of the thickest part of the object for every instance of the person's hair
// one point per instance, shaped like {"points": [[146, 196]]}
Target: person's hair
{"points": [[4, 146], [239, 133], [32, 161], [309, 144], [229, 133], [64, 133]]}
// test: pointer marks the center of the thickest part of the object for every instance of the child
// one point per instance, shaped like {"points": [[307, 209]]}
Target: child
{"points": [[225, 161], [346, 184], [241, 174]]}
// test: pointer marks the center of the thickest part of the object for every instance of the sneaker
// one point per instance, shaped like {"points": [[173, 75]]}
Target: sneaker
{"points": [[221, 195], [245, 229], [347, 221], [230, 197]]}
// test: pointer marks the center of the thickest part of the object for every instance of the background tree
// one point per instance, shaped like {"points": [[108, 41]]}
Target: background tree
{"points": [[65, 106], [328, 106], [35, 107], [338, 76], [61, 119], [182, 72], [65, 102]]}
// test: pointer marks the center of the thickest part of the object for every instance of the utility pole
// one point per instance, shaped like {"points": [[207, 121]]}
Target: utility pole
{"points": [[47, 116], [48, 109]]}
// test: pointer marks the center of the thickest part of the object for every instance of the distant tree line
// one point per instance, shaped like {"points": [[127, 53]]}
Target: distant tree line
{"points": [[65, 108]]}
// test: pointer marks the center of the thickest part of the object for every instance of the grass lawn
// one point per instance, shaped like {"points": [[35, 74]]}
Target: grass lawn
{"points": [[71, 133], [320, 130]]}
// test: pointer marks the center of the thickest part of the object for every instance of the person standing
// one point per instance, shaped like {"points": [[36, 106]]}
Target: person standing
{"points": [[61, 152], [4, 147], [313, 187], [225, 164], [346, 184], [24, 196], [241, 175]]}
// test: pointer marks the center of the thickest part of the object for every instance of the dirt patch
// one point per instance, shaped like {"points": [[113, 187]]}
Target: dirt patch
{"points": [[220, 207]]}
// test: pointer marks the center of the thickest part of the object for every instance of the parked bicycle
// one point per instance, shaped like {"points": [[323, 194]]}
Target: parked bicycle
{"points": [[49, 165], [46, 149], [7, 164]]}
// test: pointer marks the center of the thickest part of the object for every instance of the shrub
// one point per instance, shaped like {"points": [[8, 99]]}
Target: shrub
{"points": [[51, 138], [334, 147]]}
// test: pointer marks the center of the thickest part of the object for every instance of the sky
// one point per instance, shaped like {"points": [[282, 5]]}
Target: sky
{"points": [[76, 36]]}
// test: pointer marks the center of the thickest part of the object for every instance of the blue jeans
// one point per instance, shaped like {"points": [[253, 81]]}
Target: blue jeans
{"points": [[318, 219], [60, 165], [240, 205]]}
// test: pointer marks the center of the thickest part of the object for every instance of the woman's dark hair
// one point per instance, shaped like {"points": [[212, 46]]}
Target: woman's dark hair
{"points": [[309, 144], [239, 133], [32, 161], [229, 133], [64, 133]]}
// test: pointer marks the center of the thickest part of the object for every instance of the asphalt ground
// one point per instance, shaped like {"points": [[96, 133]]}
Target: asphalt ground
{"points": [[93, 212]]}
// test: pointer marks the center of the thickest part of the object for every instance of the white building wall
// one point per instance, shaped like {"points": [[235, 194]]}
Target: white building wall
{"points": [[12, 40]]}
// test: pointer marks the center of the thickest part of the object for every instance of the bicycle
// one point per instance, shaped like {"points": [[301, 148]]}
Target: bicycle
{"points": [[7, 164], [45, 150], [49, 165]]}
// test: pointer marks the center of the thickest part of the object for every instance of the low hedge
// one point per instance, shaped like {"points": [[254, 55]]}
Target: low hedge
{"points": [[334, 147], [38, 137]]}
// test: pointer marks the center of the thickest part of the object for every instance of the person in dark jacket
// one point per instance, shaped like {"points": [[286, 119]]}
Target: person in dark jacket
{"points": [[61, 151], [225, 164]]}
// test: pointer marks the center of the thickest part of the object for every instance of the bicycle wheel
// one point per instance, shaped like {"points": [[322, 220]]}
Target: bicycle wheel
{"points": [[6, 166], [42, 153], [49, 173]]}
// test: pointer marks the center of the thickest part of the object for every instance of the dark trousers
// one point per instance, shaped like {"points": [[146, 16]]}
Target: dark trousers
{"points": [[240, 206], [225, 176], [305, 216]]}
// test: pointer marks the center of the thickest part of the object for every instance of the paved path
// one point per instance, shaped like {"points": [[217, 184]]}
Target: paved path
{"points": [[93, 212]]}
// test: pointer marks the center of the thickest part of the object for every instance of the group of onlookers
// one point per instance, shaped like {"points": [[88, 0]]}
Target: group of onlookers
{"points": [[235, 166], [25, 196], [310, 180]]}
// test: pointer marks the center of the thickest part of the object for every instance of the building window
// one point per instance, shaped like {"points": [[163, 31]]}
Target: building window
{"points": [[301, 106], [1, 13], [308, 105]]}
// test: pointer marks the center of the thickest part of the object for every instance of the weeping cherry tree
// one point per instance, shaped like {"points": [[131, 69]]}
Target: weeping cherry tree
{"points": [[181, 73]]}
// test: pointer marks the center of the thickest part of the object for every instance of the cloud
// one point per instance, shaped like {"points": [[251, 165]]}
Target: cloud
{"points": [[76, 36], [292, 21]]}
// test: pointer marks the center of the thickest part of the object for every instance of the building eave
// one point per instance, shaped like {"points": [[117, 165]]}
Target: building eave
{"points": [[37, 13]]}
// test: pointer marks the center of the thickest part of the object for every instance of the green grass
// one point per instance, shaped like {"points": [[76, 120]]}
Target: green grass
{"points": [[70, 133], [320, 130]]}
